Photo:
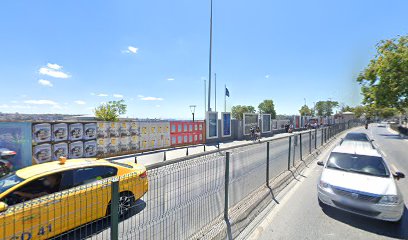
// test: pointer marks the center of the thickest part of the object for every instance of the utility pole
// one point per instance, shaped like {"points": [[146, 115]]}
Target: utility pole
{"points": [[209, 63], [215, 90]]}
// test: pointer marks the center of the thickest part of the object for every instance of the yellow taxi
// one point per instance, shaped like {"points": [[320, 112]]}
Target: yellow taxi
{"points": [[46, 200]]}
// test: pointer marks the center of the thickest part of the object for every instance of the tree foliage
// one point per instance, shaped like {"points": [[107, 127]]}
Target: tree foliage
{"points": [[305, 111], [267, 107], [111, 110], [325, 108], [384, 82], [238, 111]]}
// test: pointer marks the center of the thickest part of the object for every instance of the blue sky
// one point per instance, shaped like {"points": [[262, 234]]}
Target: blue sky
{"points": [[69, 56]]}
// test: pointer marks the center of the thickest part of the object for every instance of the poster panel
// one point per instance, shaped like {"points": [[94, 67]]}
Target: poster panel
{"points": [[90, 148], [59, 132], [114, 129], [17, 136], [226, 124], [266, 123], [59, 150], [76, 149], [212, 124], [134, 144], [42, 132], [103, 129], [42, 153], [124, 143], [250, 120], [76, 131], [89, 131], [102, 146], [134, 128], [113, 146], [124, 129]]}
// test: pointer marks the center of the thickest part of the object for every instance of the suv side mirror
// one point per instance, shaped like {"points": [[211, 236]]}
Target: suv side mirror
{"points": [[3, 206], [320, 163], [398, 175]]}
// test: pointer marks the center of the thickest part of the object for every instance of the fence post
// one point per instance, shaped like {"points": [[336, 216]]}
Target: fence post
{"points": [[295, 142], [204, 147], [187, 151], [310, 142], [114, 210], [315, 138], [321, 137], [135, 159], [290, 147], [164, 156], [226, 184], [267, 164], [300, 147]]}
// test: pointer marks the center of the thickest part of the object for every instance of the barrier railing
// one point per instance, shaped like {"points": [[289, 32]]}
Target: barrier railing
{"points": [[185, 195]]}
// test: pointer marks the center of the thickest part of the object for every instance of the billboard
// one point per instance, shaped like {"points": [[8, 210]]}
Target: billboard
{"points": [[266, 123], [211, 124], [226, 124], [17, 137], [250, 120]]}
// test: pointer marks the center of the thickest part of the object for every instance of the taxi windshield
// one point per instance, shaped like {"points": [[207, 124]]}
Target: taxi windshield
{"points": [[9, 181]]}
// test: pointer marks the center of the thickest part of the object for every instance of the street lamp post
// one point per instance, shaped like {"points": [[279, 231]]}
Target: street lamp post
{"points": [[192, 109]]}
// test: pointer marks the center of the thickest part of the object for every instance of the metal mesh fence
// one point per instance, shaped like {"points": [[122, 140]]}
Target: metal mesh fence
{"points": [[182, 197]]}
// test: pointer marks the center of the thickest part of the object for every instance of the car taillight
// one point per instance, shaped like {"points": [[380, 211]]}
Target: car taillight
{"points": [[143, 175]]}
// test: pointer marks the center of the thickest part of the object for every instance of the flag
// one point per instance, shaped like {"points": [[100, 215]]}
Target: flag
{"points": [[226, 92]]}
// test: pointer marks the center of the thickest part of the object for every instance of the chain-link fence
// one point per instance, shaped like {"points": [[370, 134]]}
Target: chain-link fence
{"points": [[183, 196]]}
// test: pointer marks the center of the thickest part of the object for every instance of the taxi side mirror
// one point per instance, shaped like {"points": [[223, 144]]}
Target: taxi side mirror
{"points": [[3, 206]]}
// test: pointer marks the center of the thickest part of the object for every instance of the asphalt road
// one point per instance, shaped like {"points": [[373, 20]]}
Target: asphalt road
{"points": [[298, 216]]}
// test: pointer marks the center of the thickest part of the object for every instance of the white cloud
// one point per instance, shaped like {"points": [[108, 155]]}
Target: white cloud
{"points": [[45, 82], [158, 106], [131, 50], [14, 101], [6, 106], [170, 79], [267, 76], [140, 96], [102, 95], [93, 94], [53, 73], [43, 102], [152, 99], [118, 95], [80, 102], [54, 66]]}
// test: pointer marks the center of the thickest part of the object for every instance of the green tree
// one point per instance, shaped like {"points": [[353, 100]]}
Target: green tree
{"points": [[359, 111], [305, 111], [346, 108], [325, 108], [267, 107], [238, 111], [110, 111], [384, 82]]}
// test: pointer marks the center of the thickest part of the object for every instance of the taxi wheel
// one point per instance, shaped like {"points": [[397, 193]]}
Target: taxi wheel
{"points": [[126, 202]]}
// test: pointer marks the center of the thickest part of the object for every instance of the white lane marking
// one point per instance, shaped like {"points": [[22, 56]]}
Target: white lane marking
{"points": [[383, 153]]}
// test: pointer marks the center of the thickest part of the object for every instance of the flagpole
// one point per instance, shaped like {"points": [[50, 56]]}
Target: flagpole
{"points": [[209, 63], [225, 98]]}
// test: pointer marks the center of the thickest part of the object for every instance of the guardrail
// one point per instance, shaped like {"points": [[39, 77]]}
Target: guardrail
{"points": [[185, 195]]}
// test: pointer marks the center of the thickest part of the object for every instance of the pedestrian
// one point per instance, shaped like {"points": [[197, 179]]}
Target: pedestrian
{"points": [[258, 133]]}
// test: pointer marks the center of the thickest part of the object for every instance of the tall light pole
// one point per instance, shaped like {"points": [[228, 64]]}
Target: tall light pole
{"points": [[192, 109], [209, 63]]}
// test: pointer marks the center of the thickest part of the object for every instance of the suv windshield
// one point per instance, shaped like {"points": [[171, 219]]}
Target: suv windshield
{"points": [[356, 137], [9, 181], [368, 165]]}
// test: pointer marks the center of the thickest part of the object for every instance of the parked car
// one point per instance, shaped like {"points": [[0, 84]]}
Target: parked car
{"points": [[358, 180], [382, 124], [357, 137], [45, 200]]}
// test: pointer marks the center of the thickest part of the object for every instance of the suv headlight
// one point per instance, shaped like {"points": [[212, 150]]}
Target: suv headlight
{"points": [[389, 199]]}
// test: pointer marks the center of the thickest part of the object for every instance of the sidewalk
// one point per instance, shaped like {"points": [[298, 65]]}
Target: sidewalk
{"points": [[151, 158]]}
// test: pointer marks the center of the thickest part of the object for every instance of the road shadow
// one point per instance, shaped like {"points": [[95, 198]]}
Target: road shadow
{"points": [[93, 228], [391, 136], [389, 229]]}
